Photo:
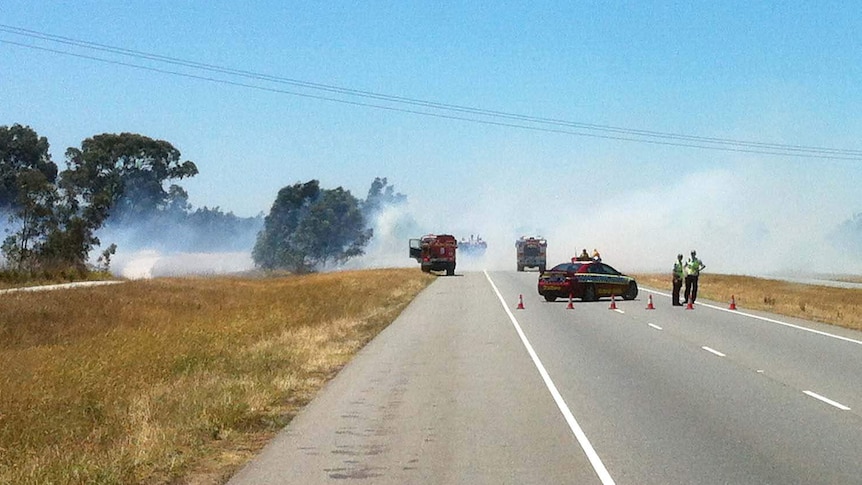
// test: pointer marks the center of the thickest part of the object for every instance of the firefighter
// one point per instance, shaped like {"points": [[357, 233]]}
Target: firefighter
{"points": [[693, 267], [678, 275], [596, 255], [584, 255]]}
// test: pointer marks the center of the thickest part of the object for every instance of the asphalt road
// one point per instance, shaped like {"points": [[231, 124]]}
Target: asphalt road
{"points": [[466, 388]]}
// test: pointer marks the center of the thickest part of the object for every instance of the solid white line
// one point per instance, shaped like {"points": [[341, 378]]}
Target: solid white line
{"points": [[598, 466], [713, 351], [655, 326], [827, 400], [770, 320]]}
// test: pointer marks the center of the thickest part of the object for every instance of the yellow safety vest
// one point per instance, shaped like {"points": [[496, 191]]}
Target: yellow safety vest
{"points": [[694, 266], [678, 269]]}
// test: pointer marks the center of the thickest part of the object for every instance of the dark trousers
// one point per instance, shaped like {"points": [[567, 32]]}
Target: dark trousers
{"points": [[677, 285], [691, 288]]}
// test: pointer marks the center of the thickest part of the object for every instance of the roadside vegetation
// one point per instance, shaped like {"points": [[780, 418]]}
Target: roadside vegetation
{"points": [[124, 187], [178, 380], [837, 306], [10, 278]]}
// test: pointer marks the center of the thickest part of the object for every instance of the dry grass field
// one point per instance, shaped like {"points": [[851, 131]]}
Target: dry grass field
{"points": [[836, 306], [174, 380]]}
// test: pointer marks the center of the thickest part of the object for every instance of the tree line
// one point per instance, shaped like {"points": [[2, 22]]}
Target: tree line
{"points": [[130, 180]]}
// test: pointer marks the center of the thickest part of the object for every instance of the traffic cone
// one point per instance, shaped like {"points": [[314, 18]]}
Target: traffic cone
{"points": [[732, 302], [613, 303], [689, 305], [570, 306], [649, 304], [520, 302]]}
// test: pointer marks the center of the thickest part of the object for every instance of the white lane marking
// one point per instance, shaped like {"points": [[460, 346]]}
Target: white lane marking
{"points": [[655, 326], [598, 466], [779, 322], [619, 311], [827, 400], [713, 351]]}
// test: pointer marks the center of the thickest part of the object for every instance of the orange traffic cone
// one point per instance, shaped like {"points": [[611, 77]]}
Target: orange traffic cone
{"points": [[649, 305], [732, 302], [520, 302], [570, 306], [689, 305], [613, 303]]}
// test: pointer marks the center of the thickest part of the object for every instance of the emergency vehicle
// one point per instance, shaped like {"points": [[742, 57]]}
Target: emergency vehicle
{"points": [[531, 253], [475, 246], [587, 280], [435, 252]]}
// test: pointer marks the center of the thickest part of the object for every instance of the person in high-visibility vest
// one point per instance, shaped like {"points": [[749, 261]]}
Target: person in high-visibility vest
{"points": [[678, 275], [693, 267]]}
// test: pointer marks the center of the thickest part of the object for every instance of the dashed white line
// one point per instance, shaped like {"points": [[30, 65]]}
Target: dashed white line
{"points": [[824, 399], [827, 400], [598, 466], [713, 351], [771, 320], [620, 311], [655, 326]]}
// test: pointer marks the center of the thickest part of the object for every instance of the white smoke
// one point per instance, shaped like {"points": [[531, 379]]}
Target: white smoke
{"points": [[744, 218], [152, 264], [136, 266], [177, 249], [393, 227]]}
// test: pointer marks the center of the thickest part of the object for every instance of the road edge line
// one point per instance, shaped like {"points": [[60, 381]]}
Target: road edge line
{"points": [[595, 461]]}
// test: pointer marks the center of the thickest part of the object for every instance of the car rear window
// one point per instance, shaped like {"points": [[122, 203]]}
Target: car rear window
{"points": [[567, 267]]}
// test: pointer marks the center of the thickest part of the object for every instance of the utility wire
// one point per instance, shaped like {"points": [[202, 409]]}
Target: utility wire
{"points": [[546, 124]]}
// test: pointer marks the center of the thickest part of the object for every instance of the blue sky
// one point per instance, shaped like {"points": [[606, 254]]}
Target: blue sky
{"points": [[784, 73]]}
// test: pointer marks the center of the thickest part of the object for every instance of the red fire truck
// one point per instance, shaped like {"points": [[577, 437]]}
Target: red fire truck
{"points": [[531, 252], [435, 252]]}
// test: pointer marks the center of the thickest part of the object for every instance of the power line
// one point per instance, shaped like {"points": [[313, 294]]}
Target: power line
{"points": [[441, 110]]}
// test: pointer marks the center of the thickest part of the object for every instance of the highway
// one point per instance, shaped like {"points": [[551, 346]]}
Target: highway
{"points": [[465, 388]]}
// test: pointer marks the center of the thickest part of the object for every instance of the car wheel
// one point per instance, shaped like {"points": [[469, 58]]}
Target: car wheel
{"points": [[450, 270], [590, 293], [551, 298], [520, 268], [631, 292], [541, 269]]}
